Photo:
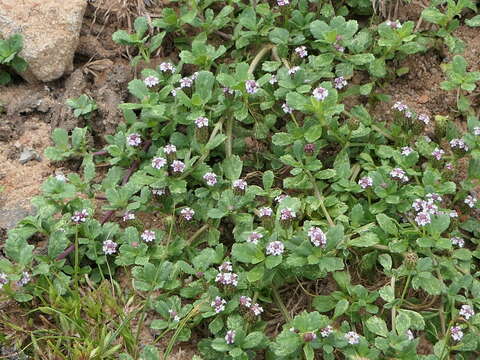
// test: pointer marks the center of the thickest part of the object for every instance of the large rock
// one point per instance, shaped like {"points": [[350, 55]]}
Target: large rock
{"points": [[50, 30]]}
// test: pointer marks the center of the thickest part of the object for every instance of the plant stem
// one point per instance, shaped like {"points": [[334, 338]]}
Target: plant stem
{"points": [[77, 259], [280, 304], [404, 292], [394, 308], [197, 234], [320, 198], [258, 57], [229, 141]]}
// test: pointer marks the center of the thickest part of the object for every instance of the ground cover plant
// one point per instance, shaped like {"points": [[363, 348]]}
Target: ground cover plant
{"points": [[265, 182]]}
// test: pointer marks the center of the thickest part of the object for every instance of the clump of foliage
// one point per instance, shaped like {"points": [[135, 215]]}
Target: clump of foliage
{"points": [[83, 106], [266, 183], [9, 58]]}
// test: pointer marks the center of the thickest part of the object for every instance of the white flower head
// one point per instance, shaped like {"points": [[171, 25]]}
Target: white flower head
{"points": [[151, 81], [134, 140], [352, 337], [109, 247], [301, 51], [365, 182], [275, 248], [148, 236], [467, 311], [159, 162], [320, 93], [210, 178]]}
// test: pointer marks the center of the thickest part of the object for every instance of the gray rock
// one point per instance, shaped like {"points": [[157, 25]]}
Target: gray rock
{"points": [[50, 30], [9, 218], [28, 155]]}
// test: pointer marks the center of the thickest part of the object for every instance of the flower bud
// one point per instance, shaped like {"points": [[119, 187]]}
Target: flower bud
{"points": [[309, 149], [410, 260]]}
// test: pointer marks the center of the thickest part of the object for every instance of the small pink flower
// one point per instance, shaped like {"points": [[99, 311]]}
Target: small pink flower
{"points": [[286, 109], [109, 247], [134, 139], [458, 241], [151, 81], [365, 182], [406, 150], [177, 166], [240, 184], [265, 212], [317, 236], [293, 70], [326, 331], [340, 82], [187, 213], [275, 248], [456, 333], [256, 309], [424, 118], [352, 338], [254, 237], [283, 2], [80, 216], [210, 178], [3, 280], [423, 218], [166, 66], [301, 51], [186, 82], [201, 122], [159, 162], [470, 201], [148, 236], [128, 216], [287, 214], [399, 106], [467, 311], [245, 301], [438, 153], [251, 86], [320, 93], [230, 337], [225, 267], [218, 304], [169, 149]]}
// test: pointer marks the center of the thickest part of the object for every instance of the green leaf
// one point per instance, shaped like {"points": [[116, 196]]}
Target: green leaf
{"points": [[138, 89], [247, 253], [204, 84], [216, 141], [141, 26], [366, 240], [313, 133], [279, 36], [340, 308], [282, 139], [253, 339], [232, 167], [324, 303], [387, 224], [361, 59], [57, 242], [473, 22], [377, 326], [267, 179], [216, 213], [308, 351]]}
